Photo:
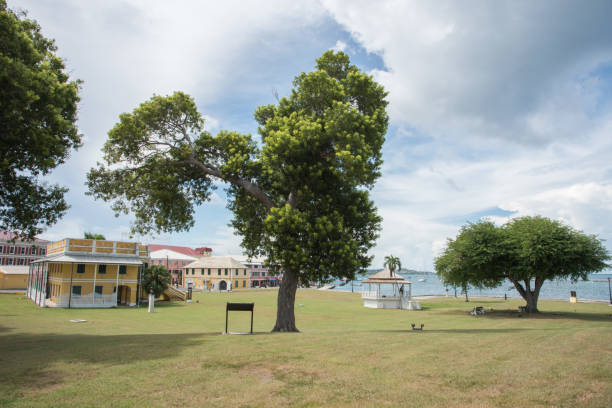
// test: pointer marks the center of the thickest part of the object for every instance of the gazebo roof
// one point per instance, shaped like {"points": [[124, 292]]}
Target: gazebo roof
{"points": [[386, 276]]}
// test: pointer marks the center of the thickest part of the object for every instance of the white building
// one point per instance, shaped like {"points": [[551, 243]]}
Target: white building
{"points": [[388, 290]]}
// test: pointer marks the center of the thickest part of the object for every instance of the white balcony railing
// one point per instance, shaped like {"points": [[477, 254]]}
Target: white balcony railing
{"points": [[90, 300]]}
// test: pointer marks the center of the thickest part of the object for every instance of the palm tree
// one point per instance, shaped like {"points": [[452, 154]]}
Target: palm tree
{"points": [[155, 280], [393, 263]]}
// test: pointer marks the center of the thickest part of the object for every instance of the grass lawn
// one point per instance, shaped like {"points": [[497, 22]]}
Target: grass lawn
{"points": [[345, 356]]}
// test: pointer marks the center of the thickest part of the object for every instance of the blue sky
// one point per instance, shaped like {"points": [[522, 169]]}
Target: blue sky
{"points": [[498, 109]]}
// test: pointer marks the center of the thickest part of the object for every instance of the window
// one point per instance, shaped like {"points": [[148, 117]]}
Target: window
{"points": [[44, 251], [99, 290], [209, 271], [80, 269], [76, 291], [122, 269], [236, 284], [226, 271], [23, 250], [101, 268], [193, 271], [1, 249], [244, 272], [244, 284], [10, 261], [219, 272], [201, 271], [20, 261], [12, 250]]}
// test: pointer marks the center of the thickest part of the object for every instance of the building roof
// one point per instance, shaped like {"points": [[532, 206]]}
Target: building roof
{"points": [[15, 269], [91, 259], [386, 276], [170, 254], [248, 260], [7, 236], [180, 249], [216, 262]]}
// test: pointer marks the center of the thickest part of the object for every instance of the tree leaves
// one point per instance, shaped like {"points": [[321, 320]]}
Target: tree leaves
{"points": [[524, 249], [38, 113]]}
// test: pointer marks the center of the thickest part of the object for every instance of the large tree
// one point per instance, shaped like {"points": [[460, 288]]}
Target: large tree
{"points": [[299, 196], [527, 251], [38, 113]]}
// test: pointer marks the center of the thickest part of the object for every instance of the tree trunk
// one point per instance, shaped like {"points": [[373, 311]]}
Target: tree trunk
{"points": [[530, 296], [151, 302], [532, 304], [285, 315]]}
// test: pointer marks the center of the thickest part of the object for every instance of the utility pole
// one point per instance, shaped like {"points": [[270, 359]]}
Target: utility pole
{"points": [[609, 291]]}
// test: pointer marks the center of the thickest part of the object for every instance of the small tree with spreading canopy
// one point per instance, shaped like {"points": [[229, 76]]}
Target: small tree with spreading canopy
{"points": [[299, 196], [91, 235], [527, 251]]}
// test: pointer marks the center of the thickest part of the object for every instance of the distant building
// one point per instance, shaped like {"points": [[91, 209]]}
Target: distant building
{"points": [[14, 277], [174, 258], [20, 252], [215, 273], [260, 275], [88, 273]]}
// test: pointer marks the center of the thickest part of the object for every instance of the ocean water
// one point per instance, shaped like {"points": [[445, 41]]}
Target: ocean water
{"points": [[596, 288]]}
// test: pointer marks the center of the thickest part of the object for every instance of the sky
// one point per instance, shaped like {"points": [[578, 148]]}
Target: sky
{"points": [[498, 109]]}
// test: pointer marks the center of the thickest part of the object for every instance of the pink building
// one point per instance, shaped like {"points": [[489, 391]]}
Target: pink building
{"points": [[260, 275], [174, 258], [20, 252]]}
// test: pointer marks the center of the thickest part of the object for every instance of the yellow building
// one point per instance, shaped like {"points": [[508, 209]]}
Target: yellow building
{"points": [[13, 277], [88, 273], [216, 273]]}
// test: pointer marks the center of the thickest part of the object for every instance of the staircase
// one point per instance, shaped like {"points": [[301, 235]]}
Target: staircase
{"points": [[174, 294]]}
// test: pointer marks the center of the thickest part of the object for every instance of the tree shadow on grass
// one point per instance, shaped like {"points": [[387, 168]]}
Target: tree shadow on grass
{"points": [[542, 315], [26, 358], [462, 331], [28, 362]]}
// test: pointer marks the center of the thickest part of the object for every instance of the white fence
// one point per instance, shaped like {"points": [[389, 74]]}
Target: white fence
{"points": [[91, 300]]}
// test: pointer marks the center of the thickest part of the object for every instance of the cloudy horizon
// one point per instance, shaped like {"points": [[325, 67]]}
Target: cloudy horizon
{"points": [[498, 109]]}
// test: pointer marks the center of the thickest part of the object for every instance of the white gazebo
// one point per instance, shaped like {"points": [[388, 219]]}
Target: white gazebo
{"points": [[400, 296]]}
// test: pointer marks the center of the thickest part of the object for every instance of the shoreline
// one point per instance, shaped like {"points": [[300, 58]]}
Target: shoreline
{"points": [[433, 296]]}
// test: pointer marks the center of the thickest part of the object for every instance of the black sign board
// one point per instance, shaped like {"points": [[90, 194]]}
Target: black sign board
{"points": [[243, 307]]}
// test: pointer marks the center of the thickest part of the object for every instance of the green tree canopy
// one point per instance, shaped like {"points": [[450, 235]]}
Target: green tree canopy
{"points": [[527, 251], [393, 263], [299, 195], [155, 279], [38, 113], [91, 235]]}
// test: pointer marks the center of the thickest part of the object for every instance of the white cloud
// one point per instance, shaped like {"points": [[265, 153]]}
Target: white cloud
{"points": [[340, 46], [487, 70], [495, 105]]}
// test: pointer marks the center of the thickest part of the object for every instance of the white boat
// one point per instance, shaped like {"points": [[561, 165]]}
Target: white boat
{"points": [[422, 279]]}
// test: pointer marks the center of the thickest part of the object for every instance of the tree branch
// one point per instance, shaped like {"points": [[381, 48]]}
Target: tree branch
{"points": [[250, 187], [292, 200]]}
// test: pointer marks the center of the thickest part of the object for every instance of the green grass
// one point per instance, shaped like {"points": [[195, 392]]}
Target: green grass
{"points": [[345, 356]]}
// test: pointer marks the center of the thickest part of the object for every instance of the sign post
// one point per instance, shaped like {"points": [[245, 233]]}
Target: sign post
{"points": [[244, 307]]}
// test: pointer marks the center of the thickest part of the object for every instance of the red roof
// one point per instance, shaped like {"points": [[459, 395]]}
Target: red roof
{"points": [[180, 249], [7, 236]]}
